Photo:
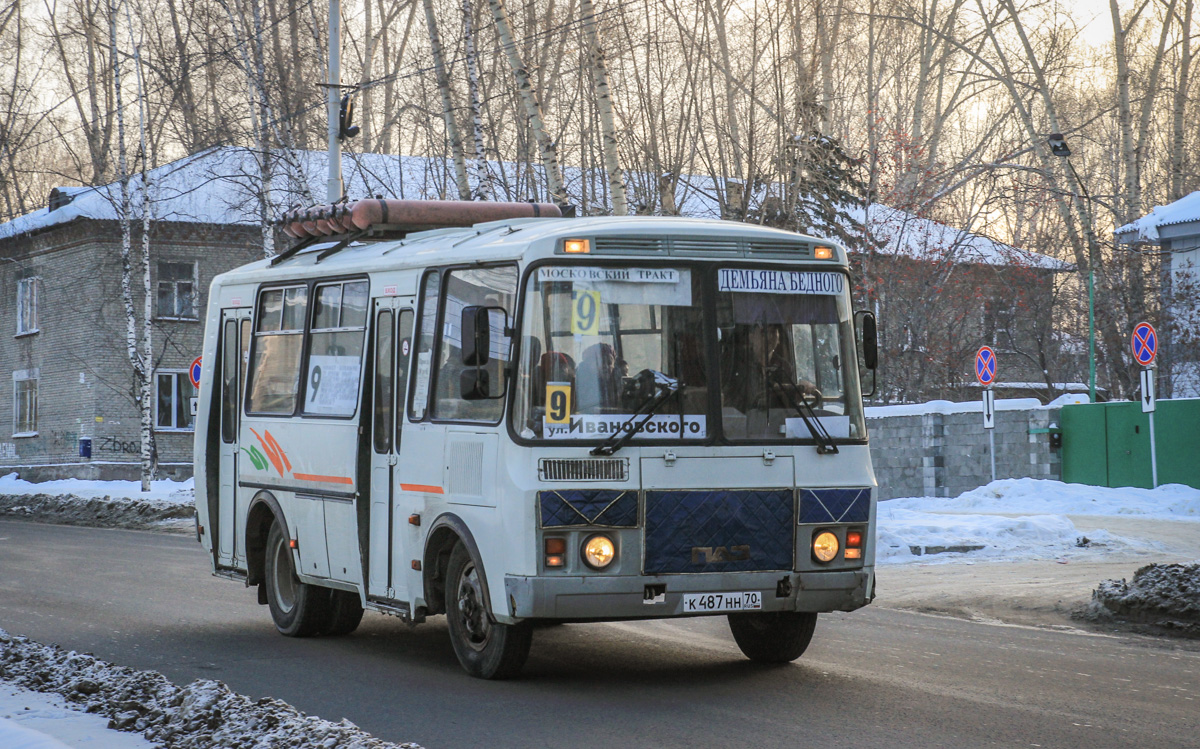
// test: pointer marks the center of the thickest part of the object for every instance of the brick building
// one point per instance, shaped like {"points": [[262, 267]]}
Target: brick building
{"points": [[63, 360]]}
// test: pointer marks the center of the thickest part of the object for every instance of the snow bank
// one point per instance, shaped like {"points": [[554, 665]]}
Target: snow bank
{"points": [[1168, 502], [202, 715], [165, 490], [910, 535], [35, 720], [1166, 596], [950, 407]]}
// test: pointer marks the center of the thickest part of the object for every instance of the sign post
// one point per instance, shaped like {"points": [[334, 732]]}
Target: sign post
{"points": [[1145, 348], [985, 372]]}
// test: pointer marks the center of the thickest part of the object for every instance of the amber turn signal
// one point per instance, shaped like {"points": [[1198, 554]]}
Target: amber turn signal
{"points": [[576, 246], [824, 253]]}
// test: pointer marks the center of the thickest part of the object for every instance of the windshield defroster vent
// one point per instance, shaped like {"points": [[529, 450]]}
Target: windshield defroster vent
{"points": [[583, 469]]}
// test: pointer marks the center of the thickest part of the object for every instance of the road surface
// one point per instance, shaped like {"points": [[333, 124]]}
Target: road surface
{"points": [[875, 677]]}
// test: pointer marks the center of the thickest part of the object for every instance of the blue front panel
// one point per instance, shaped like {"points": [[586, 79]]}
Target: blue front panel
{"points": [[719, 531], [568, 508], [835, 505]]}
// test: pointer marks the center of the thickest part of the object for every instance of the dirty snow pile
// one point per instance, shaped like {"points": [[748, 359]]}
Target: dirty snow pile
{"points": [[978, 523], [37, 720], [109, 504], [202, 715], [1165, 596]]}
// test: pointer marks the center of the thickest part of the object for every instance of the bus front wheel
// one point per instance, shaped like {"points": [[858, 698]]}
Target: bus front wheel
{"points": [[299, 610], [486, 649], [773, 636]]}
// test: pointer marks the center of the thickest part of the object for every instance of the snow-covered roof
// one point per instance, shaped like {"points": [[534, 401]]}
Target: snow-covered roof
{"points": [[218, 186], [1181, 211]]}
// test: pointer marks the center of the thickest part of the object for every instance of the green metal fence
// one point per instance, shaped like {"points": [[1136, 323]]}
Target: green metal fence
{"points": [[1108, 444]]}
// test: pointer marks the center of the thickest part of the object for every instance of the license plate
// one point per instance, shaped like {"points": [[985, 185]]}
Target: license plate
{"points": [[696, 603]]}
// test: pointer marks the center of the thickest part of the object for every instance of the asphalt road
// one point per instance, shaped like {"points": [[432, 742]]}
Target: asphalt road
{"points": [[875, 677]]}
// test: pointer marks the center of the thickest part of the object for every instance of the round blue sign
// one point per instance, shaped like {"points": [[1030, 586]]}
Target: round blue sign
{"points": [[985, 366], [1145, 343], [194, 372]]}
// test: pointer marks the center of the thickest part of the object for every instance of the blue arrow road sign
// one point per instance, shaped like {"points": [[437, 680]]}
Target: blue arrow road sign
{"points": [[1145, 343], [985, 366]]}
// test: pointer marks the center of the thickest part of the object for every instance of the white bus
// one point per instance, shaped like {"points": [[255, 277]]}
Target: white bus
{"points": [[541, 420]]}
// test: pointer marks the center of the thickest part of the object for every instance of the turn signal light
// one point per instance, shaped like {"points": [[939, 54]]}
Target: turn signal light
{"points": [[556, 546], [554, 560], [576, 246], [824, 253], [854, 540]]}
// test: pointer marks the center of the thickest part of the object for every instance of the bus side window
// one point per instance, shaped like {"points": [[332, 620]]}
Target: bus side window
{"points": [[403, 357], [384, 403], [494, 288], [278, 338], [429, 305], [229, 381], [331, 385]]}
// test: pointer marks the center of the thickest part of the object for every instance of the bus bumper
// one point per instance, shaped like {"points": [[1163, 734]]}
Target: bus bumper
{"points": [[600, 598]]}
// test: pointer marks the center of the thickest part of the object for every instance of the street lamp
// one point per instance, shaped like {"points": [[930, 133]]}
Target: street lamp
{"points": [[1058, 147]]}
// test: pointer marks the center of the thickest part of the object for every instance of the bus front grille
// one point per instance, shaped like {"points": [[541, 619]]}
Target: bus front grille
{"points": [[738, 530], [583, 469]]}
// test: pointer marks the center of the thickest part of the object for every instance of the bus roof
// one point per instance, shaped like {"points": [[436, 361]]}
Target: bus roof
{"points": [[531, 238]]}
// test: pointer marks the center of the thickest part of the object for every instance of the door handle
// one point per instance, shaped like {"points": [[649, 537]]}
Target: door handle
{"points": [[392, 459]]}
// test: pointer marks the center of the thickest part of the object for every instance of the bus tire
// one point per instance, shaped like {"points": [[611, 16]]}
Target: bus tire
{"points": [[298, 610], [486, 649], [345, 612], [773, 636]]}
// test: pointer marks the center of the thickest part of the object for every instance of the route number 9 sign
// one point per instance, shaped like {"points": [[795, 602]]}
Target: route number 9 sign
{"points": [[585, 312], [558, 402]]}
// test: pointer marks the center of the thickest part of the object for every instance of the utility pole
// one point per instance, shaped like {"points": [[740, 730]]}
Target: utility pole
{"points": [[333, 90]]}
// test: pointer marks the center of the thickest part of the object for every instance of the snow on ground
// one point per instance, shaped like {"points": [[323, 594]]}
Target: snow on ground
{"points": [[35, 720], [202, 715], [1015, 519], [165, 490], [169, 505]]}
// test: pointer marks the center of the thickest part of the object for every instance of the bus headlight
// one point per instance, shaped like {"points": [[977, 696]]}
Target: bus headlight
{"points": [[599, 551], [825, 547]]}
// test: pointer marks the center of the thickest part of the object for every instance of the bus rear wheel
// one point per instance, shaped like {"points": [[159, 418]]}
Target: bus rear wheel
{"points": [[486, 649], [773, 636], [299, 610]]}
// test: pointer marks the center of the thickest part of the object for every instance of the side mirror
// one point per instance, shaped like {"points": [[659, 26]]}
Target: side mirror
{"points": [[476, 337], [475, 384], [870, 341]]}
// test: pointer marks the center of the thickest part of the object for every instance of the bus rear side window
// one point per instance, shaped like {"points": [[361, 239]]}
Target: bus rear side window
{"points": [[335, 358], [278, 336]]}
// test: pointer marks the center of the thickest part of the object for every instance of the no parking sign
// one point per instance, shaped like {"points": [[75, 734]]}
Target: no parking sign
{"points": [[194, 372], [985, 365], [1145, 343]]}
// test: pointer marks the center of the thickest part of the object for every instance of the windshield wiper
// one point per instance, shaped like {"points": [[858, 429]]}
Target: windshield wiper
{"points": [[661, 389], [795, 395]]}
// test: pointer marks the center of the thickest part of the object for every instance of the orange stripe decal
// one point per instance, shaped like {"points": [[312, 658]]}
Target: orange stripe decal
{"points": [[323, 479], [421, 488]]}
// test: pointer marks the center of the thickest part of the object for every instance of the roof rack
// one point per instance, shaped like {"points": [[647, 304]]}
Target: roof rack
{"points": [[402, 217]]}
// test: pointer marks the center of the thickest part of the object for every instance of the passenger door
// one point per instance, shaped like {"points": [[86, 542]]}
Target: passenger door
{"points": [[234, 347], [392, 347]]}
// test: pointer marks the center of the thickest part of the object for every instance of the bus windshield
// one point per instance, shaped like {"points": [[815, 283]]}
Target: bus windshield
{"points": [[599, 343]]}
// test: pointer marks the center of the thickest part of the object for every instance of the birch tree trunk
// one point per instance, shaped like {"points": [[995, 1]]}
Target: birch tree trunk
{"points": [[148, 450], [443, 81], [1179, 102], [533, 108], [479, 171], [608, 138], [262, 135], [139, 364]]}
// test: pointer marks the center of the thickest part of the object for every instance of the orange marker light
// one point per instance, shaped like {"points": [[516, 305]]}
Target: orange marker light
{"points": [[293, 544], [853, 554], [853, 540], [824, 253], [576, 246], [554, 560], [556, 546]]}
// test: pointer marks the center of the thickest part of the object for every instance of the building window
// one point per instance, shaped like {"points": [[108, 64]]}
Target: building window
{"points": [[173, 393], [27, 299], [25, 403], [177, 290], [999, 320]]}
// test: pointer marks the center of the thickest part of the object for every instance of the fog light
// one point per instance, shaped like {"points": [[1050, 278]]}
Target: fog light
{"points": [[825, 547], [599, 551]]}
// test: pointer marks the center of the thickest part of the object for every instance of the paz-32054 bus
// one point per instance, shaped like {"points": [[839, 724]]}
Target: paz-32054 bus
{"points": [[539, 420]]}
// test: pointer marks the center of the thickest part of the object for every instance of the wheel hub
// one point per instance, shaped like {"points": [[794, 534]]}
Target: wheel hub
{"points": [[284, 579], [470, 609]]}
